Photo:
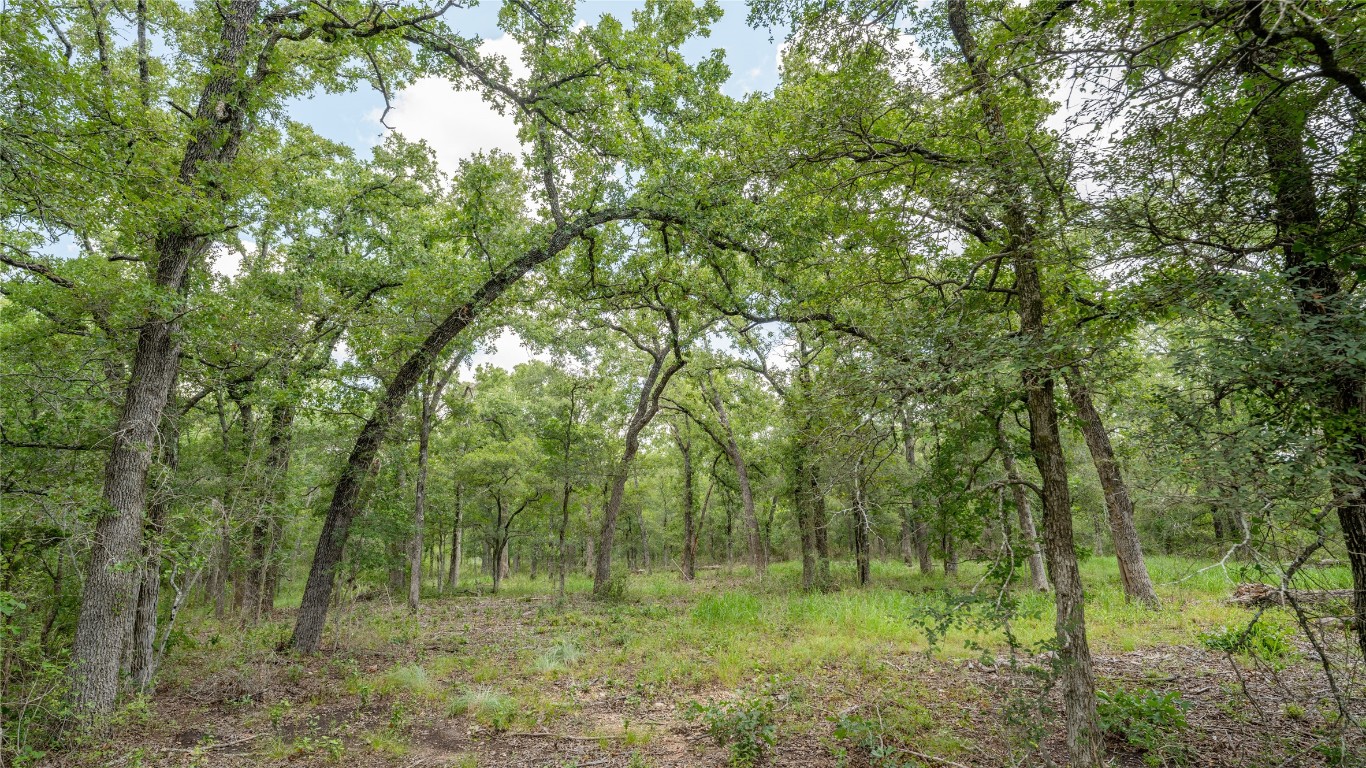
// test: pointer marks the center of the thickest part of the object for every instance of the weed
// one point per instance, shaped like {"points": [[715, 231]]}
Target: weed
{"points": [[1259, 640], [561, 656], [408, 678]]}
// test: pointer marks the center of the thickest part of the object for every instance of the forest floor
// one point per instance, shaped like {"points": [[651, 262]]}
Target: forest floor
{"points": [[845, 678]]}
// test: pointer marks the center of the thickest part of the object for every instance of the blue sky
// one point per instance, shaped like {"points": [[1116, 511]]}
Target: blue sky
{"points": [[352, 118]]}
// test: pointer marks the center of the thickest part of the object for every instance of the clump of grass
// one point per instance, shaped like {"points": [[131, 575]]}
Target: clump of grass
{"points": [[490, 708], [408, 678], [562, 655], [387, 742], [728, 609]]}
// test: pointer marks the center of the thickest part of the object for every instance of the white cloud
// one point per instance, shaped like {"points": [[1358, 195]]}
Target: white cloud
{"points": [[457, 124], [506, 352], [225, 259]]}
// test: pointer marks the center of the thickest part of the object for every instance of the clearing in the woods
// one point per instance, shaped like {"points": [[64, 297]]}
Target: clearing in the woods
{"points": [[729, 670]]}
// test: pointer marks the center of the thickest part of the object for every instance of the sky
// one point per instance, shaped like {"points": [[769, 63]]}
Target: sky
{"points": [[458, 124]]}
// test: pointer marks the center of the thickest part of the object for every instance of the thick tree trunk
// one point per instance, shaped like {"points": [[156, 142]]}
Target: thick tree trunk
{"points": [[1073, 652], [1133, 570], [308, 629], [110, 582], [143, 661], [1319, 297], [1029, 537]]}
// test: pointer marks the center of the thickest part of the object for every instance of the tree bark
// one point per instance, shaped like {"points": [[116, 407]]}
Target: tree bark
{"points": [[1319, 296], [457, 539], [656, 379], [110, 584], [732, 448], [862, 528], [688, 565], [915, 528]]}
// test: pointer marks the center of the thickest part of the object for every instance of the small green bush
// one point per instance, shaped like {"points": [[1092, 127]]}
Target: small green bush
{"points": [[745, 725], [1260, 641], [1143, 717]]}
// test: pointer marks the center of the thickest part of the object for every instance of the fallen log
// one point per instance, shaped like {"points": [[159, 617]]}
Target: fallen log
{"points": [[1259, 595]]}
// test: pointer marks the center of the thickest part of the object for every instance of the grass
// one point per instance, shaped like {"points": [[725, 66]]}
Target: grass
{"points": [[526, 661]]}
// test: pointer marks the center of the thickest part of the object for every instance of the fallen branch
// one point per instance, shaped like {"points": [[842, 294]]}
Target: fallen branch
{"points": [[1258, 595], [566, 737]]}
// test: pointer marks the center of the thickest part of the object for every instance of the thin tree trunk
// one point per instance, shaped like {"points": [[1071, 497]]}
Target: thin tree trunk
{"points": [[1029, 537], [916, 526], [862, 528], [732, 448], [646, 407], [689, 556], [457, 538]]}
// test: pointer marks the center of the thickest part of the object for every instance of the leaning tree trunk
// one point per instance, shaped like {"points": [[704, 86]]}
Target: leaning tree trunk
{"points": [[308, 628], [1073, 652], [1029, 536], [646, 407], [1119, 505]]}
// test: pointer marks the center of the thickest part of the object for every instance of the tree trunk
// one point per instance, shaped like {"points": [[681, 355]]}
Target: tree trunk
{"points": [[109, 582], [457, 539], [862, 528], [1319, 297], [1029, 537], [1073, 652], [143, 662], [689, 556], [918, 527]]}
